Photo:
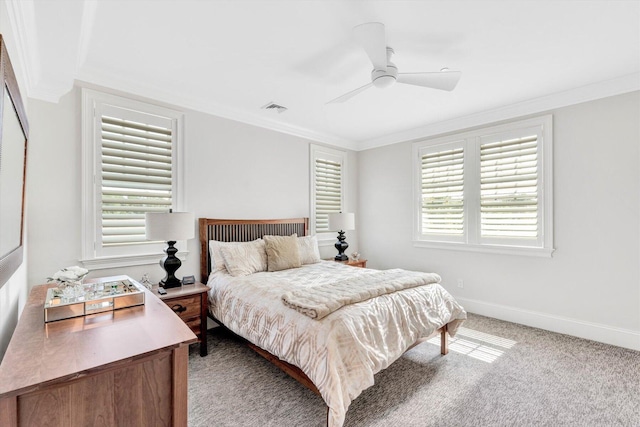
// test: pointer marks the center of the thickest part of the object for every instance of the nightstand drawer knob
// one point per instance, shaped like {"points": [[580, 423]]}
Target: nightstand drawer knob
{"points": [[178, 308]]}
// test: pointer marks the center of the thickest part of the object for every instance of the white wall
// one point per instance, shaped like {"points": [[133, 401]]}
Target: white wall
{"points": [[233, 170], [13, 294], [591, 285], [241, 171]]}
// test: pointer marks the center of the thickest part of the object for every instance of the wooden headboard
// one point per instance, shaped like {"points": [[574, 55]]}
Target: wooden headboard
{"points": [[243, 230]]}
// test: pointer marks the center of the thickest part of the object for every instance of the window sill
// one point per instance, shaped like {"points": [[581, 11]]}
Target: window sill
{"points": [[126, 261], [489, 249]]}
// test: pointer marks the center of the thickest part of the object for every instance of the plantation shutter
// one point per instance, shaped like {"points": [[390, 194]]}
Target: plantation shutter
{"points": [[509, 188], [328, 191], [136, 176], [442, 187]]}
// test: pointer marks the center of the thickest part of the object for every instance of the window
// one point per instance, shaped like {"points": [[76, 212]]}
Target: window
{"points": [[130, 167], [442, 189], [488, 190], [327, 186], [509, 188]]}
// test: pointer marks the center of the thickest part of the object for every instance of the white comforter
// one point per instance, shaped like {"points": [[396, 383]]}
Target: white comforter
{"points": [[341, 352]]}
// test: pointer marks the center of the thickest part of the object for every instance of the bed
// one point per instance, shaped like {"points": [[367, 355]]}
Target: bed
{"points": [[336, 352]]}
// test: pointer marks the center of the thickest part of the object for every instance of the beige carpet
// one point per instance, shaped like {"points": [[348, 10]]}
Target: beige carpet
{"points": [[496, 374]]}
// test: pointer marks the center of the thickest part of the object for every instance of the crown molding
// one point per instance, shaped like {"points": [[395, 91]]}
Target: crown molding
{"points": [[87, 22], [22, 21], [49, 80], [617, 86], [624, 84], [52, 91], [263, 122], [92, 76]]}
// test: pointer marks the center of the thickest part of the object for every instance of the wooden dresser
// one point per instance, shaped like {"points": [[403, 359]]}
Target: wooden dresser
{"points": [[126, 367]]}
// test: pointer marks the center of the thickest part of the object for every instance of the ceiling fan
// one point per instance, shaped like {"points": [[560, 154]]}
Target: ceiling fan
{"points": [[372, 38]]}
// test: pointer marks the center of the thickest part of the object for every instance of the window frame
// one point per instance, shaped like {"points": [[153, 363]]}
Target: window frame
{"points": [[334, 155], [473, 241], [94, 256]]}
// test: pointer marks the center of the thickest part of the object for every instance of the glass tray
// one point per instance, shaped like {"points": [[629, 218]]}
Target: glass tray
{"points": [[97, 298]]}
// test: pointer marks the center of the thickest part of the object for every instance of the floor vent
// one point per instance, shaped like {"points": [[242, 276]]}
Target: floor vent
{"points": [[271, 106]]}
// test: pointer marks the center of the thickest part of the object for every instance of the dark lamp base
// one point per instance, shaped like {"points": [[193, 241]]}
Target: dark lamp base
{"points": [[170, 264], [341, 246], [172, 282]]}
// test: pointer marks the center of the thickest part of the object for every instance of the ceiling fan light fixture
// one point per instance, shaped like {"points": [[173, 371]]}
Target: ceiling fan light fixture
{"points": [[384, 81], [384, 78]]}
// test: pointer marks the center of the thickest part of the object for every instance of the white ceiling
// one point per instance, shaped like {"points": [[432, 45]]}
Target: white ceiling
{"points": [[230, 58]]}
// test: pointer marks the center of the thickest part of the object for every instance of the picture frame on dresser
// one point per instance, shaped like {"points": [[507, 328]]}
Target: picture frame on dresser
{"points": [[14, 134]]}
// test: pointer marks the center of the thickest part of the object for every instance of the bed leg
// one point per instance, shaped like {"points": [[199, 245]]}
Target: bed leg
{"points": [[328, 416], [444, 341]]}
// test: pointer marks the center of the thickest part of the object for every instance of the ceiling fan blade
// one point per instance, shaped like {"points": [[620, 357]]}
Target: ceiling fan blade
{"points": [[443, 80], [347, 96], [372, 38]]}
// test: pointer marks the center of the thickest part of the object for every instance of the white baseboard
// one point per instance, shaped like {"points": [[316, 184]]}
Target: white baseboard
{"points": [[593, 331]]}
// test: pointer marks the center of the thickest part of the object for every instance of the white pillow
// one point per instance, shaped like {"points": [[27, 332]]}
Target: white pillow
{"points": [[245, 258], [308, 249], [217, 262]]}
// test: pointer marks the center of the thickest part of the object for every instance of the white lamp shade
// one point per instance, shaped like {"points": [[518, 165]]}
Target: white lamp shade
{"points": [[169, 226], [342, 221]]}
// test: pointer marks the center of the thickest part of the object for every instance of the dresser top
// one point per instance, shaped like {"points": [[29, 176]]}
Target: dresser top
{"points": [[42, 352]]}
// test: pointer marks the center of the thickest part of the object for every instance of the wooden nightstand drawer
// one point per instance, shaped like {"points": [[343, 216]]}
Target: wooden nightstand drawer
{"points": [[194, 325], [190, 302], [187, 307]]}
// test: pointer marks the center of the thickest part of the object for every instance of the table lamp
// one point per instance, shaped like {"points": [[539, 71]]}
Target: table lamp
{"points": [[341, 221], [170, 227]]}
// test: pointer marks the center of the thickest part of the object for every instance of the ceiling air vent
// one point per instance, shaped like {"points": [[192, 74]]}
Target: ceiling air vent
{"points": [[276, 107]]}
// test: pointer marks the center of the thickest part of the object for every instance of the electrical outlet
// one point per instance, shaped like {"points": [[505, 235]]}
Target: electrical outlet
{"points": [[460, 283]]}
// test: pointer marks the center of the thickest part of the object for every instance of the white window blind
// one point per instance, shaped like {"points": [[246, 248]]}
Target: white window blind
{"points": [[130, 151], [488, 189], [509, 188], [136, 177], [328, 191], [327, 169], [442, 189]]}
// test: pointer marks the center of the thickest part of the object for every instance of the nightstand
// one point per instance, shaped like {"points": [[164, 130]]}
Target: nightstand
{"points": [[359, 263], [189, 302]]}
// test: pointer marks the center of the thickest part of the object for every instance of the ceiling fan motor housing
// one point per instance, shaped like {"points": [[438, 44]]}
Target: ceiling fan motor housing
{"points": [[385, 77]]}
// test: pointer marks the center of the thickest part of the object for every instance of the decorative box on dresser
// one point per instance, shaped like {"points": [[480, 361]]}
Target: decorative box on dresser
{"points": [[122, 367], [189, 302]]}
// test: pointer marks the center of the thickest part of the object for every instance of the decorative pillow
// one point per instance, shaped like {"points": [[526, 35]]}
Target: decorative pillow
{"points": [[308, 249], [217, 261], [245, 258], [282, 252]]}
